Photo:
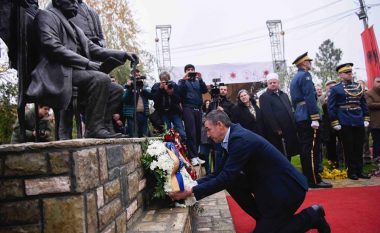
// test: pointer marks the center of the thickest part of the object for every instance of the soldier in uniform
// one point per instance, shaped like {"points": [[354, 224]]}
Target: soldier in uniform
{"points": [[304, 101], [349, 115]]}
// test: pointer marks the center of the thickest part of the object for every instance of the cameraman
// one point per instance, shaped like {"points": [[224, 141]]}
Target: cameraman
{"points": [[221, 101], [191, 87], [142, 106], [167, 102]]}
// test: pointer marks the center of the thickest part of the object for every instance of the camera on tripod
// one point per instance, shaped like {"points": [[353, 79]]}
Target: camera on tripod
{"points": [[215, 91]]}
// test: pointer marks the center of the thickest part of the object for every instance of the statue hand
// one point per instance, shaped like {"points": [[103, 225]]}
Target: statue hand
{"points": [[133, 58], [93, 65]]}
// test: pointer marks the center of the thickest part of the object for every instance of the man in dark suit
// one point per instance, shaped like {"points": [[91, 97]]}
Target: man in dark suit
{"points": [[279, 125], [67, 59], [259, 178]]}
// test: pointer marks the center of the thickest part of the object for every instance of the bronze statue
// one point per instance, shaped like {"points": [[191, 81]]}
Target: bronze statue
{"points": [[67, 59]]}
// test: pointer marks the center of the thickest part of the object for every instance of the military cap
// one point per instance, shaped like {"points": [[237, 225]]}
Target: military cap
{"points": [[302, 58], [346, 67]]}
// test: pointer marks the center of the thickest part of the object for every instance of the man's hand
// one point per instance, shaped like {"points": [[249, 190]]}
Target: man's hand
{"points": [[93, 66], [186, 77], [129, 82], [314, 124], [366, 124], [198, 76], [337, 127], [220, 108], [180, 195]]}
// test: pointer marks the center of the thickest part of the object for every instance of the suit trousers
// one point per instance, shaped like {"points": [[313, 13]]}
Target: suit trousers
{"points": [[280, 220], [352, 140], [103, 98], [310, 146]]}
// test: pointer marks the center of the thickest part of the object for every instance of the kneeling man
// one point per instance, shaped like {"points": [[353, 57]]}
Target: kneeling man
{"points": [[260, 179]]}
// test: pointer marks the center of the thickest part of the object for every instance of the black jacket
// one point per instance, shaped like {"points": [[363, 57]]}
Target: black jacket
{"points": [[164, 103], [223, 102], [240, 114]]}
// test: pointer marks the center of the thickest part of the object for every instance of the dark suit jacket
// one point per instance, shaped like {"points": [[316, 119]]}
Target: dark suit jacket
{"points": [[269, 176], [52, 78]]}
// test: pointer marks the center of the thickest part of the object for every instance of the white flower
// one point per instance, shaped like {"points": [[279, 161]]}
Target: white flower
{"points": [[162, 160]]}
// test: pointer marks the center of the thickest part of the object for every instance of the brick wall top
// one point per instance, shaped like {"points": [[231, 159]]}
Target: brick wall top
{"points": [[30, 146]]}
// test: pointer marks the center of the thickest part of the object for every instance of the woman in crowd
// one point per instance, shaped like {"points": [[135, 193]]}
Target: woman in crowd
{"points": [[247, 113]]}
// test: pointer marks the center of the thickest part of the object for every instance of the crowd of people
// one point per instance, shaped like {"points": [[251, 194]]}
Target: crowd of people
{"points": [[337, 117], [246, 144]]}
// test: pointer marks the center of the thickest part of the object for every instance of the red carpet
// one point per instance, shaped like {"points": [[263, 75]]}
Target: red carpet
{"points": [[348, 210]]}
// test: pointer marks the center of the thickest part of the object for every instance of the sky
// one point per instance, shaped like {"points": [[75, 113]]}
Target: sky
{"points": [[224, 31]]}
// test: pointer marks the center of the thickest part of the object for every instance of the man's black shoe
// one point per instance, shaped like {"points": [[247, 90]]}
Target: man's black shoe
{"points": [[103, 134], [321, 184], [363, 176], [353, 177], [321, 225]]}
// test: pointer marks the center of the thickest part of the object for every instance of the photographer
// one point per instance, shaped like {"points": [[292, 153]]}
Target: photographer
{"points": [[45, 126], [167, 99], [220, 100], [191, 87], [142, 106]]}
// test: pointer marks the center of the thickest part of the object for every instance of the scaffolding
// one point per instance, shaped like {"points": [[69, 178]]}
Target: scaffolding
{"points": [[276, 35], [163, 48]]}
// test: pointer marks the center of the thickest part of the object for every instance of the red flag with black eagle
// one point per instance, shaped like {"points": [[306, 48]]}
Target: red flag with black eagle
{"points": [[371, 54]]}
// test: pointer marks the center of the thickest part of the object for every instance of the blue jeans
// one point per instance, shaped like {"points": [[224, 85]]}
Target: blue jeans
{"points": [[175, 120], [142, 125]]}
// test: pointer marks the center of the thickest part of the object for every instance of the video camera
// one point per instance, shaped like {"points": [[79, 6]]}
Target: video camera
{"points": [[215, 91]]}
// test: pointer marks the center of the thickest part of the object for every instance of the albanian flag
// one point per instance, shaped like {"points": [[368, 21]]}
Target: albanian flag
{"points": [[371, 54]]}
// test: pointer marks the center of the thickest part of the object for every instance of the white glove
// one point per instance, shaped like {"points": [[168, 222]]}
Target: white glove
{"points": [[366, 124], [337, 127], [314, 124]]}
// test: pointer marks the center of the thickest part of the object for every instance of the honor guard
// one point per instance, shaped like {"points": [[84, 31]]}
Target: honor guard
{"points": [[349, 115], [304, 101]]}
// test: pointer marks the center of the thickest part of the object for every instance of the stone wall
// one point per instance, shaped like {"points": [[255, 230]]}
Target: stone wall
{"points": [[74, 186]]}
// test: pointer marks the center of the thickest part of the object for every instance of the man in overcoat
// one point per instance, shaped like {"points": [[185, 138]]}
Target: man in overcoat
{"points": [[67, 59], [260, 179], [278, 117]]}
